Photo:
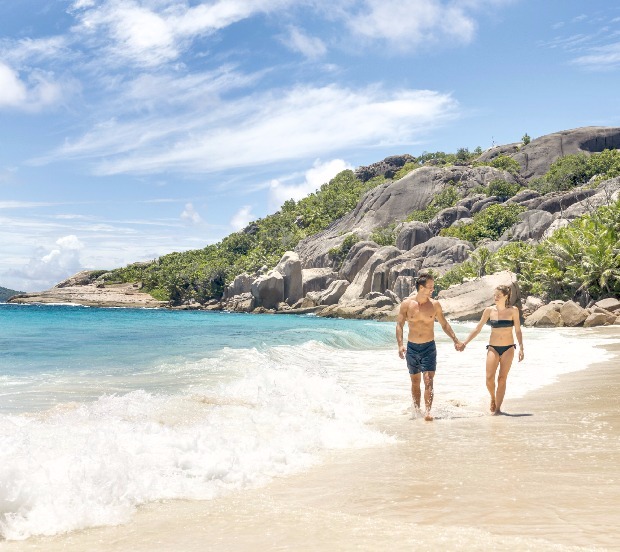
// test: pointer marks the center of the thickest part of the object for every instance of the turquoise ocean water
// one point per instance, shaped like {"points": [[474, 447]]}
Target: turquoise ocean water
{"points": [[102, 410]]}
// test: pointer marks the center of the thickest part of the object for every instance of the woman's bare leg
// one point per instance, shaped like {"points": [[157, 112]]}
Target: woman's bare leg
{"points": [[505, 362], [492, 364]]}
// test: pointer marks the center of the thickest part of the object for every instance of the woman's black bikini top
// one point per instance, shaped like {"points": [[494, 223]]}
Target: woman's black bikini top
{"points": [[500, 323]]}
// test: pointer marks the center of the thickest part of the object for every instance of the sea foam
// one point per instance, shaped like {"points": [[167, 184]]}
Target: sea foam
{"points": [[86, 464]]}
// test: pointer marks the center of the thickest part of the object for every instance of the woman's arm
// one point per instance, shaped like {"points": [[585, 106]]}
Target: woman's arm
{"points": [[517, 321], [483, 319]]}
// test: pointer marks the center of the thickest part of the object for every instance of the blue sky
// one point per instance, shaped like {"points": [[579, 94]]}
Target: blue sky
{"points": [[133, 128]]}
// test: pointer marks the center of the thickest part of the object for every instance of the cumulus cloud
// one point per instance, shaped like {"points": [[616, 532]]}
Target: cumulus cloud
{"points": [[261, 129], [319, 174], [242, 218], [310, 46], [48, 267], [190, 215]]}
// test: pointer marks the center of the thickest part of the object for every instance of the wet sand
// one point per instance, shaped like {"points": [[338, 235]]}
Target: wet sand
{"points": [[546, 476]]}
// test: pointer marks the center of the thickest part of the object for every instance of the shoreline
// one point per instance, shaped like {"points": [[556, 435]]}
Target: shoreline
{"points": [[542, 476]]}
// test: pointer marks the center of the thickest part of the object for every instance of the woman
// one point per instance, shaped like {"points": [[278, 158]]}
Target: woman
{"points": [[501, 348]]}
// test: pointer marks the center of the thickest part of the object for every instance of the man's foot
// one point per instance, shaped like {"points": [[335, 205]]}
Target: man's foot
{"points": [[493, 408]]}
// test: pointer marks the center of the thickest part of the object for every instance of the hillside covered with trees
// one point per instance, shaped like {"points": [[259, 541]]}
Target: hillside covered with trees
{"points": [[582, 257]]}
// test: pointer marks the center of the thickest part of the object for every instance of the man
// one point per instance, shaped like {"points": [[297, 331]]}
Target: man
{"points": [[420, 313]]}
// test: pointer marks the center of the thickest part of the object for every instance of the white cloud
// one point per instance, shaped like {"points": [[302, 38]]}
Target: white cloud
{"points": [[310, 46], [600, 59], [189, 214], [33, 95], [408, 24], [319, 174], [263, 129], [48, 267], [157, 31], [242, 218]]}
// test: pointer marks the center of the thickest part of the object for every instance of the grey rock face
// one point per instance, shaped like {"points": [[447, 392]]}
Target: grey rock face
{"points": [[447, 217], [356, 259], [606, 193], [468, 300], [561, 201], [554, 227], [404, 286], [362, 282], [412, 234], [547, 316], [268, 290], [388, 167], [316, 279], [610, 304], [334, 292], [496, 151], [290, 267], [243, 302], [532, 225], [572, 314], [241, 284], [599, 319], [468, 202], [524, 195], [386, 274], [536, 158], [391, 202], [482, 204]]}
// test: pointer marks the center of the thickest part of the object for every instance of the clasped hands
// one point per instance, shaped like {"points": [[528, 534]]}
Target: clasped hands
{"points": [[459, 346]]}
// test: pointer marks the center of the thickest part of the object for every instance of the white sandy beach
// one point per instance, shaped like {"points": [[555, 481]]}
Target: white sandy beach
{"points": [[545, 477]]}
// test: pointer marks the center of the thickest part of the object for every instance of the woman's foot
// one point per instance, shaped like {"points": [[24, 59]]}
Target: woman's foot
{"points": [[493, 408], [428, 416], [497, 412]]}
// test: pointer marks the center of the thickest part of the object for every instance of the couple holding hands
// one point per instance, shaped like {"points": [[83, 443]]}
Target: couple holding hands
{"points": [[420, 313]]}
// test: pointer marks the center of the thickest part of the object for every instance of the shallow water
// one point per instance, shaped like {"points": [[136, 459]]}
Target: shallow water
{"points": [[103, 410]]}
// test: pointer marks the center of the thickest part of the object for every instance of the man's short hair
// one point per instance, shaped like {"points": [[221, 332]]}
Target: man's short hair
{"points": [[423, 280]]}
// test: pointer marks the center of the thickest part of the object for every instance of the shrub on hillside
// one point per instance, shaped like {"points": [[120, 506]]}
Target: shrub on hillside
{"points": [[490, 223]]}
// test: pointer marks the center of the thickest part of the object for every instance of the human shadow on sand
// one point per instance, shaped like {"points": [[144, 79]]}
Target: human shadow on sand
{"points": [[514, 415]]}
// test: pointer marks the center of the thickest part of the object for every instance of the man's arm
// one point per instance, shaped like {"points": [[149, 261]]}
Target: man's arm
{"points": [[445, 326], [400, 323]]}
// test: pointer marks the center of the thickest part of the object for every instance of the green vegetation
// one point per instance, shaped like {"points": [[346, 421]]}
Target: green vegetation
{"points": [[501, 162], [580, 260], [439, 159], [502, 189], [448, 197], [202, 274], [384, 236], [490, 223], [526, 139], [575, 170], [5, 293], [339, 254]]}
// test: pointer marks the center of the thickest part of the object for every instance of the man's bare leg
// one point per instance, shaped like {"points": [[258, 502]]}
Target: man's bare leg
{"points": [[492, 364], [505, 362], [416, 394], [428, 395]]}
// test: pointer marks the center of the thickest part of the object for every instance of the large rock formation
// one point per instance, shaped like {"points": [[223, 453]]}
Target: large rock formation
{"points": [[394, 201], [93, 295], [536, 157], [290, 268], [467, 301]]}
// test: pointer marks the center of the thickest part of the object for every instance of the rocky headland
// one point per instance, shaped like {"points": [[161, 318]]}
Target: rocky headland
{"points": [[372, 279]]}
